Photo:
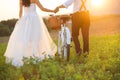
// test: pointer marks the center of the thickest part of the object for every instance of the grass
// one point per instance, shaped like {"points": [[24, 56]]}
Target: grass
{"points": [[102, 63]]}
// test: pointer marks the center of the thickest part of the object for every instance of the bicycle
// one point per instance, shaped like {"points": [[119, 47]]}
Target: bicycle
{"points": [[64, 35]]}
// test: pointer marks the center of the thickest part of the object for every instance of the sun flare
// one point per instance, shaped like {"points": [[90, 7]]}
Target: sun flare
{"points": [[97, 3]]}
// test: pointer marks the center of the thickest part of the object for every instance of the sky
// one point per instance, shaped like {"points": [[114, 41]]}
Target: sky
{"points": [[10, 8]]}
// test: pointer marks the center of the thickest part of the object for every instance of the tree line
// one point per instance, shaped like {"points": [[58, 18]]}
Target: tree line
{"points": [[7, 26]]}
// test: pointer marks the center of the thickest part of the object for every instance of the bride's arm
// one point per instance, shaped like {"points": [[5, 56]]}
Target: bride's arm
{"points": [[42, 8], [20, 10]]}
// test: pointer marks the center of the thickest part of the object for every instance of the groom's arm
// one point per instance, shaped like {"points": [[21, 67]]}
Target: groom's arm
{"points": [[65, 4]]}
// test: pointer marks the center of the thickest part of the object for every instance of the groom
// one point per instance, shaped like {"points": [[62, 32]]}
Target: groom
{"points": [[80, 20]]}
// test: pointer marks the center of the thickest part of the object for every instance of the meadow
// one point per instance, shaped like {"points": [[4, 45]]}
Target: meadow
{"points": [[102, 62]]}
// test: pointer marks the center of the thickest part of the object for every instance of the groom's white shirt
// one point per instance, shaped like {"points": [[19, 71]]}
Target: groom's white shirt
{"points": [[76, 4]]}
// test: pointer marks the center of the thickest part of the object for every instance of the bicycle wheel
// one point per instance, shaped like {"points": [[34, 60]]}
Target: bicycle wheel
{"points": [[59, 43], [66, 45], [66, 52]]}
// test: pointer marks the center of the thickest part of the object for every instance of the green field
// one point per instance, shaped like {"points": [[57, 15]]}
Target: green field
{"points": [[102, 63]]}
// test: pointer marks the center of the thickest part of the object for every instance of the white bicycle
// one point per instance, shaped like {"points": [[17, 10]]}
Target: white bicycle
{"points": [[64, 36], [64, 39]]}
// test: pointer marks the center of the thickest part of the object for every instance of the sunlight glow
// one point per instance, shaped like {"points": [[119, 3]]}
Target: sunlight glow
{"points": [[97, 3]]}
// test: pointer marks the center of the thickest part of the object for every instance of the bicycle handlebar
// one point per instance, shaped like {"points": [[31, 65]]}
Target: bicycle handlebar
{"points": [[63, 18]]}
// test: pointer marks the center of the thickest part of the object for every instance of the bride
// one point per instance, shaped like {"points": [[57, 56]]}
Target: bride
{"points": [[30, 37]]}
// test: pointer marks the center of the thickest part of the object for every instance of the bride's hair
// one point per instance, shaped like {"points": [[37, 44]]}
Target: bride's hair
{"points": [[26, 2]]}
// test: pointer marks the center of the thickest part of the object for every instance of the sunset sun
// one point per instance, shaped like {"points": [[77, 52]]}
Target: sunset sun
{"points": [[97, 3]]}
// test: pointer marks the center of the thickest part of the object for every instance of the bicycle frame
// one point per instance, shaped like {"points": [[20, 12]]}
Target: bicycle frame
{"points": [[65, 40], [66, 30]]}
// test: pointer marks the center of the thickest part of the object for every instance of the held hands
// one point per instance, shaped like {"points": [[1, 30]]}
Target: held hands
{"points": [[56, 10], [58, 7]]}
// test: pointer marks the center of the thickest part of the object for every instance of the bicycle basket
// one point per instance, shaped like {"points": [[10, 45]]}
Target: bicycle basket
{"points": [[54, 22]]}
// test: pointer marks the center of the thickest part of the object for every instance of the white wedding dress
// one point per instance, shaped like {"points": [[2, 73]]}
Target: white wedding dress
{"points": [[30, 38]]}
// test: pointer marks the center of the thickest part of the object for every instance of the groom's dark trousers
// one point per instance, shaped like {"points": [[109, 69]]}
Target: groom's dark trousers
{"points": [[81, 20]]}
